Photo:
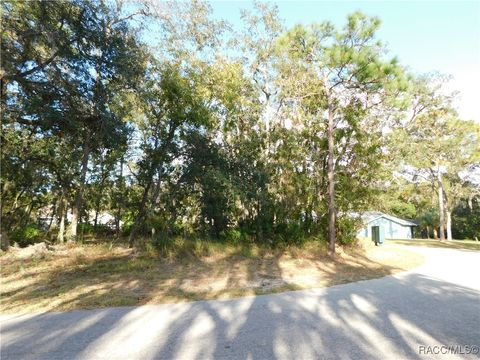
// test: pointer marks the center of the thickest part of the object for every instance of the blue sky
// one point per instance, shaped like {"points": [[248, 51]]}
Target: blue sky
{"points": [[425, 35]]}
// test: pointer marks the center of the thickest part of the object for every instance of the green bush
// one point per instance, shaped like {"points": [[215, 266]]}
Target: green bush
{"points": [[85, 229], [347, 230], [127, 227], [143, 229], [178, 247], [162, 243], [292, 233], [157, 222], [234, 236], [27, 235], [89, 229]]}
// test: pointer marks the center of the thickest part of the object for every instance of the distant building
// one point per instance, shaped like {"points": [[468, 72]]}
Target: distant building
{"points": [[103, 218], [379, 226]]}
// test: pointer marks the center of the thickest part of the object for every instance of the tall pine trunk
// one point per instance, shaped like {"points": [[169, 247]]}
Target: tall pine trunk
{"points": [[54, 212], [331, 185], [77, 206], [449, 224], [62, 209], [4, 239], [441, 205], [120, 199], [98, 200]]}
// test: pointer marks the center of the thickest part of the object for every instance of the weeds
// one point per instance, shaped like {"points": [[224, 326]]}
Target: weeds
{"points": [[88, 276]]}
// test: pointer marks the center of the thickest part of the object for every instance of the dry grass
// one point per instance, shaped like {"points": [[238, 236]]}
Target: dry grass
{"points": [[453, 244], [91, 276]]}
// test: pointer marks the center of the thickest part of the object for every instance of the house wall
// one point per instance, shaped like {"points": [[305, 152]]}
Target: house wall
{"points": [[392, 229], [397, 231], [367, 230]]}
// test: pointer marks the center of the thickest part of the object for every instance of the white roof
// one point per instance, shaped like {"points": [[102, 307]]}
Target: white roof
{"points": [[369, 216]]}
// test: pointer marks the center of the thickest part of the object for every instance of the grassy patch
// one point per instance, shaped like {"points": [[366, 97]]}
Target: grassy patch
{"points": [[453, 244], [91, 276]]}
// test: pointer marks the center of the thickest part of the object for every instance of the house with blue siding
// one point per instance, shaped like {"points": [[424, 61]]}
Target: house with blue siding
{"points": [[379, 226]]}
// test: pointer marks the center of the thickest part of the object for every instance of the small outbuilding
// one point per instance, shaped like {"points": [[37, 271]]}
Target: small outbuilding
{"points": [[379, 226]]}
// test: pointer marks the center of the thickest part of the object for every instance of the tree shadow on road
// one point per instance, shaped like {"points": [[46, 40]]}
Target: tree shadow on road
{"points": [[359, 320]]}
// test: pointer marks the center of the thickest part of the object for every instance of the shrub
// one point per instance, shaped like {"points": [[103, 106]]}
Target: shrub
{"points": [[27, 235], [127, 227], [163, 244], [234, 236], [85, 228], [89, 229], [291, 233], [347, 230]]}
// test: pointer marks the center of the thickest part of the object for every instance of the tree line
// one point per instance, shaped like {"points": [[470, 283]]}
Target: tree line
{"points": [[177, 123]]}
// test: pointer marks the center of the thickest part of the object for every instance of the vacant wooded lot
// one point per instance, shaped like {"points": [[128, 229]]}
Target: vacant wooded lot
{"points": [[154, 152], [238, 179], [158, 120], [89, 276]]}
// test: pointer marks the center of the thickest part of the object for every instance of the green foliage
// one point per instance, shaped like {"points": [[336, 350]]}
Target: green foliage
{"points": [[194, 138], [290, 234], [235, 236], [27, 235], [404, 210], [90, 229], [434, 147], [86, 229], [466, 220], [347, 230]]}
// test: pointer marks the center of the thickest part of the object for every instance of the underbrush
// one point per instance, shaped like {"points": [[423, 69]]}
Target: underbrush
{"points": [[79, 276], [27, 235], [188, 248]]}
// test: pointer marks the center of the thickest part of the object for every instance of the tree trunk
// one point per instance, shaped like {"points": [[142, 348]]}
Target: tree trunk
{"points": [[77, 207], [26, 215], [470, 202], [54, 212], [99, 198], [153, 166], [62, 209], [441, 205], [428, 232], [435, 234], [156, 192], [120, 200], [142, 211], [331, 186], [4, 240], [449, 225]]}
